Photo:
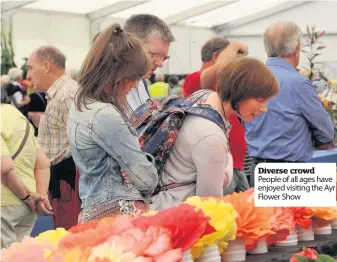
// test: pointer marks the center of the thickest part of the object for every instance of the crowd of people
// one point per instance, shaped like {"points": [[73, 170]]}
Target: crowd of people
{"points": [[84, 160]]}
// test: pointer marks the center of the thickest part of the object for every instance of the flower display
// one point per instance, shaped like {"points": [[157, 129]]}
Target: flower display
{"points": [[309, 255], [185, 224], [323, 216], [164, 236], [252, 222], [283, 221], [222, 217], [30, 249], [302, 216]]}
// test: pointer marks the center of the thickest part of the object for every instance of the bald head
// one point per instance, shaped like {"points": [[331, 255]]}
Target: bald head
{"points": [[51, 54], [281, 39]]}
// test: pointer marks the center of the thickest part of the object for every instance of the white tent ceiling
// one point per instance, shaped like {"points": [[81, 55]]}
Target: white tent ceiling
{"points": [[201, 13]]}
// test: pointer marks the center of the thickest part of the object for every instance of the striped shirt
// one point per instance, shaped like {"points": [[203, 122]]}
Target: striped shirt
{"points": [[52, 130]]}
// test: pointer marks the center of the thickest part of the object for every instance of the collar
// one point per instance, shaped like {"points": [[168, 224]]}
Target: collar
{"points": [[276, 61], [57, 85]]}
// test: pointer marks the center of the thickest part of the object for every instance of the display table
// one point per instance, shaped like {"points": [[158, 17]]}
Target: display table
{"points": [[279, 254], [325, 156]]}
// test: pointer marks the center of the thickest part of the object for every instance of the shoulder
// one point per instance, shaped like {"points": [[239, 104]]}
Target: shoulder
{"points": [[9, 112], [105, 114], [196, 128]]}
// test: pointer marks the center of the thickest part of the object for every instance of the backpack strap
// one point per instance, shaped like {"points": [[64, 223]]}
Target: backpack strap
{"points": [[207, 113], [23, 142]]}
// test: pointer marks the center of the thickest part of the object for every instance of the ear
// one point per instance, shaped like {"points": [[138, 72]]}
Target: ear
{"points": [[47, 67], [298, 49], [215, 56]]}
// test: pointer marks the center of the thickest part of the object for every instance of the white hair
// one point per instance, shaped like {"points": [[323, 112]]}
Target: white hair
{"points": [[15, 73], [5, 79], [281, 39]]}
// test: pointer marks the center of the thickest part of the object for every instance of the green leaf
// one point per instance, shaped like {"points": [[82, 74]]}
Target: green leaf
{"points": [[325, 258], [302, 259], [321, 47], [308, 31]]}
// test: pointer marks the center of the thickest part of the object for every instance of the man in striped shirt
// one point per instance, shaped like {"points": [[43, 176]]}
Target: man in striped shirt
{"points": [[46, 70]]}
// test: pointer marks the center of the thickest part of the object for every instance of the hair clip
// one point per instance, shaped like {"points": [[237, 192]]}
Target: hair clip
{"points": [[118, 30]]}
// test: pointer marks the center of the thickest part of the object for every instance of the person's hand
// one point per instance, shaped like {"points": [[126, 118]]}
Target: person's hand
{"points": [[242, 49], [44, 208], [233, 50], [326, 146], [32, 200]]}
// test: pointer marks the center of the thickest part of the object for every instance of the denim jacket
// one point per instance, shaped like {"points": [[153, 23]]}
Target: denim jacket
{"points": [[102, 144]]}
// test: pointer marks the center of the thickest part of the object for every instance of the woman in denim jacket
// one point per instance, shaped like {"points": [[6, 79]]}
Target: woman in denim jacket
{"points": [[102, 142]]}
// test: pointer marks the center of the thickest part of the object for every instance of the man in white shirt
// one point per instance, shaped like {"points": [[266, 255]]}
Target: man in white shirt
{"points": [[156, 37]]}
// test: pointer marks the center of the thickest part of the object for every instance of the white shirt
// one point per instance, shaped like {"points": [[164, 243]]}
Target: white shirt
{"points": [[137, 96]]}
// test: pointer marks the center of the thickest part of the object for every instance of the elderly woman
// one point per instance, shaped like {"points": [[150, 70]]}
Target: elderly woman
{"points": [[25, 175], [200, 162]]}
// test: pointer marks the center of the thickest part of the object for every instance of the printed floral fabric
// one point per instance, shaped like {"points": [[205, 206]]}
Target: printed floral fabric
{"points": [[159, 121]]}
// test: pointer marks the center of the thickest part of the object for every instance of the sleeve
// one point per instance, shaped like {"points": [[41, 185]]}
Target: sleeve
{"points": [[111, 132], [312, 110], [4, 148], [210, 156]]}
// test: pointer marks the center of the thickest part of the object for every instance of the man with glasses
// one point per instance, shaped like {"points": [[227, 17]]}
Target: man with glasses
{"points": [[156, 38]]}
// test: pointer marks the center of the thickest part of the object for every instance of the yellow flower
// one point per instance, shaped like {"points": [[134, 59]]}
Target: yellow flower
{"points": [[111, 252], [222, 218], [53, 236]]}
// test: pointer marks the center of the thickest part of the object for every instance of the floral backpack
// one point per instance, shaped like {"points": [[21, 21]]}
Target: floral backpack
{"points": [[159, 121]]}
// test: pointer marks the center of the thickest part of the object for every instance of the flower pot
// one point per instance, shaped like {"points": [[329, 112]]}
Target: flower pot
{"points": [[260, 249], [235, 251], [322, 230], [187, 256], [305, 234], [211, 254], [291, 240]]}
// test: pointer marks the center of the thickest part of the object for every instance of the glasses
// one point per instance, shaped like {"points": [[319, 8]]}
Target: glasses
{"points": [[159, 55]]}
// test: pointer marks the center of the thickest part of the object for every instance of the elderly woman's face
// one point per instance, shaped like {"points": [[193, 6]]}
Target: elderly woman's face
{"points": [[252, 107]]}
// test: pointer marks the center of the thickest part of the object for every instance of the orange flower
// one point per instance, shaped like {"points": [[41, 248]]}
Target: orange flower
{"points": [[252, 222]]}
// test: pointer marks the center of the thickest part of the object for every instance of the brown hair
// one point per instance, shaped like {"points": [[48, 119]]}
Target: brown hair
{"points": [[114, 56], [245, 78], [146, 27], [215, 44]]}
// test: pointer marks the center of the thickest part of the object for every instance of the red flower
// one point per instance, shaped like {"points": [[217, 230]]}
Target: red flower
{"points": [[308, 252]]}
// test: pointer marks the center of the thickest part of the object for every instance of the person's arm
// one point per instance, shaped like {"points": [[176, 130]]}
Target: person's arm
{"points": [[42, 178], [312, 110], [110, 131], [10, 179], [208, 76], [210, 158]]}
